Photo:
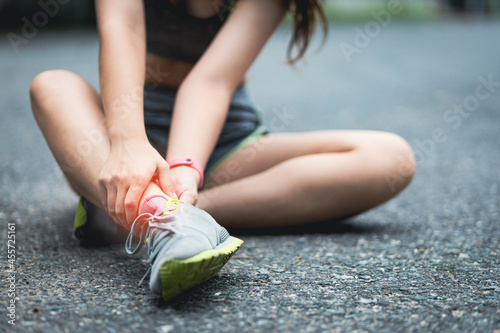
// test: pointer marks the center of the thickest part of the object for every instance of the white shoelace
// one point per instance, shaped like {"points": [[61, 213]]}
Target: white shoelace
{"points": [[153, 229]]}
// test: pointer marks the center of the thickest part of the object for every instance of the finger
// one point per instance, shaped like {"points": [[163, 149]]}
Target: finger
{"points": [[120, 204], [165, 180], [103, 195], [132, 199], [111, 204], [189, 196]]}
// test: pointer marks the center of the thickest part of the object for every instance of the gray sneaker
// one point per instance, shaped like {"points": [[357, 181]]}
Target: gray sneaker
{"points": [[186, 246]]}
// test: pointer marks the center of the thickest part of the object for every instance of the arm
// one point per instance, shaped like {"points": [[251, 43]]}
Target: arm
{"points": [[122, 56], [132, 161], [204, 96]]}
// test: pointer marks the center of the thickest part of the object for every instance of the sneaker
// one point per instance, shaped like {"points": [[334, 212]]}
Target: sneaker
{"points": [[185, 245], [93, 227]]}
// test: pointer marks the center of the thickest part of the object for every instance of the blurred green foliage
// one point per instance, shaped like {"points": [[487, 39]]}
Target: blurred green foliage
{"points": [[361, 11]]}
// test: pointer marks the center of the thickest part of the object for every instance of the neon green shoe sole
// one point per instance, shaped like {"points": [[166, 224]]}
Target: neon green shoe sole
{"points": [[178, 276]]}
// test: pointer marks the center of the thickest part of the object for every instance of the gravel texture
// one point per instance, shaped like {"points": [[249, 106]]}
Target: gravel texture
{"points": [[427, 261]]}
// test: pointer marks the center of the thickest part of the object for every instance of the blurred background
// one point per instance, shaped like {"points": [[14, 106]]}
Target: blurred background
{"points": [[81, 12]]}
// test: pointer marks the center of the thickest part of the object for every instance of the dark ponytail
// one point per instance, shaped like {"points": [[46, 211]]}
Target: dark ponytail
{"points": [[305, 15]]}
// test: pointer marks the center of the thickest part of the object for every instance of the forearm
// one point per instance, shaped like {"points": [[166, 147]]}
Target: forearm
{"points": [[199, 115], [121, 75]]}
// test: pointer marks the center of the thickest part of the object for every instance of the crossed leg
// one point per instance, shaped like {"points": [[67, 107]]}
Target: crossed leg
{"points": [[281, 179], [287, 179]]}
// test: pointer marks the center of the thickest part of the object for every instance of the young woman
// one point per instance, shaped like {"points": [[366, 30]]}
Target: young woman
{"points": [[173, 122]]}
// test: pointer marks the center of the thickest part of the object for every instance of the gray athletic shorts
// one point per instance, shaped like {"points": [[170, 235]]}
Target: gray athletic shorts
{"points": [[242, 126]]}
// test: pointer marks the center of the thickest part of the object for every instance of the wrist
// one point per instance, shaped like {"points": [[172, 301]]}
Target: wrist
{"points": [[118, 139], [126, 130], [189, 167], [184, 170]]}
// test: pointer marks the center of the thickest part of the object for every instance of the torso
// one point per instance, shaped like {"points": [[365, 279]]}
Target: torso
{"points": [[165, 71], [171, 72]]}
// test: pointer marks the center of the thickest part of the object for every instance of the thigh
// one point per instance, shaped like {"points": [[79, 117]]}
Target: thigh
{"points": [[69, 113], [272, 149]]}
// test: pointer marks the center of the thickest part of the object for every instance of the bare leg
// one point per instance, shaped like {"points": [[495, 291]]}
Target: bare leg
{"points": [[69, 113], [281, 179], [286, 179]]}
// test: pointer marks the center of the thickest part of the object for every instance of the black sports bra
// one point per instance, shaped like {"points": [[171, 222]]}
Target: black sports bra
{"points": [[173, 33]]}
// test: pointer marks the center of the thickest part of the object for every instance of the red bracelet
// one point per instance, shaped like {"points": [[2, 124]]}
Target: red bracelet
{"points": [[188, 162]]}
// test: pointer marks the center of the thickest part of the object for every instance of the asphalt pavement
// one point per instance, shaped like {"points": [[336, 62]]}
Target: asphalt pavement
{"points": [[427, 261]]}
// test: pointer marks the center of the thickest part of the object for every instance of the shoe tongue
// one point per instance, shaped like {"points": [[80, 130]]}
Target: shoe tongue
{"points": [[154, 205]]}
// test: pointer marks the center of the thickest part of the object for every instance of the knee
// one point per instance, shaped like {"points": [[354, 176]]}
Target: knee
{"points": [[399, 163], [45, 81], [46, 84]]}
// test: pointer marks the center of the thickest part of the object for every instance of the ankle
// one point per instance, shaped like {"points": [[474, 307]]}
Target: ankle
{"points": [[153, 189]]}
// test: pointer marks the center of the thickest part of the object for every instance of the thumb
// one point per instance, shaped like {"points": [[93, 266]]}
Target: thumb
{"points": [[164, 179], [189, 197]]}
